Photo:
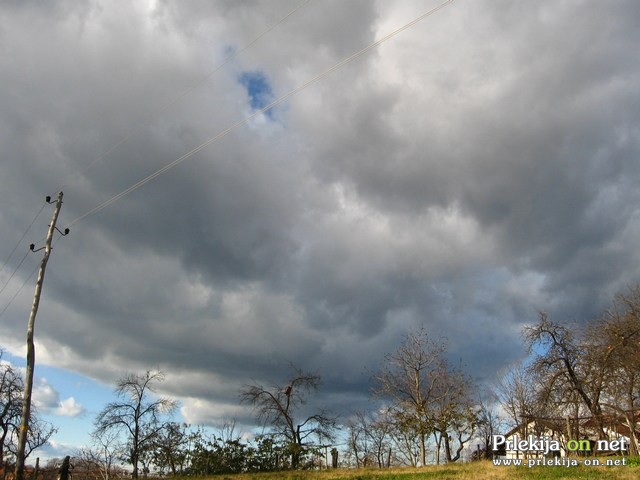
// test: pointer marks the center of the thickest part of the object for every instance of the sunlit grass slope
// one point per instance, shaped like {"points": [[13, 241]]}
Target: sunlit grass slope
{"points": [[470, 471]]}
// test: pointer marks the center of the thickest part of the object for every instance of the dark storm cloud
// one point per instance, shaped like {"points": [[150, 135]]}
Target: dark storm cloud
{"points": [[535, 160], [475, 169]]}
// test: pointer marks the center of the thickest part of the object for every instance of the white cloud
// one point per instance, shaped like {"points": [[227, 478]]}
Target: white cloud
{"points": [[69, 408], [197, 411], [47, 399]]}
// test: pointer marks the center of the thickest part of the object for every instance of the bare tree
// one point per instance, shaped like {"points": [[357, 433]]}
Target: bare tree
{"points": [[516, 392], [11, 387], [490, 422], [408, 377], [614, 345], [279, 406], [90, 463], [563, 368], [11, 397], [370, 437], [404, 437], [380, 433], [170, 447], [40, 431], [107, 449], [454, 410], [137, 414]]}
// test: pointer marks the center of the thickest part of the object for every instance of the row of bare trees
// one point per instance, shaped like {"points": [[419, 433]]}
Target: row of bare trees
{"points": [[136, 429], [420, 393], [581, 377], [420, 396], [589, 371]]}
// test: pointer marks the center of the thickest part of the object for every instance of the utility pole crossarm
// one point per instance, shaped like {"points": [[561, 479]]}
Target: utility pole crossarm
{"points": [[28, 384]]}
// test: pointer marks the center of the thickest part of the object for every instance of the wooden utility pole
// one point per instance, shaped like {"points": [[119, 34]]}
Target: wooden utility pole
{"points": [[31, 354]]}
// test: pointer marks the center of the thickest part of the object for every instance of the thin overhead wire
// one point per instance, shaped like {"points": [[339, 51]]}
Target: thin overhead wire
{"points": [[22, 237], [18, 291], [154, 116], [35, 269], [268, 107], [14, 272]]}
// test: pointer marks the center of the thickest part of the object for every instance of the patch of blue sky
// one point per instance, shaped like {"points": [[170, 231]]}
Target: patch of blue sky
{"points": [[258, 90], [89, 393], [74, 425], [229, 51]]}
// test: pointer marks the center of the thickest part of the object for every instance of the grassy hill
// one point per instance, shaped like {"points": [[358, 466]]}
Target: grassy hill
{"points": [[471, 471]]}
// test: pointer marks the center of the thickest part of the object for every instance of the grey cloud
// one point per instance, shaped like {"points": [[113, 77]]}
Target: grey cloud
{"points": [[475, 169]]}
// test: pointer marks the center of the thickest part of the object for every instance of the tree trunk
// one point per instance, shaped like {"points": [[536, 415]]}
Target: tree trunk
{"points": [[134, 462], [634, 448], [447, 447], [438, 438], [297, 447]]}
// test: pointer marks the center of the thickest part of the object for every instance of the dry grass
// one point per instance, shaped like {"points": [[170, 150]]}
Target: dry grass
{"points": [[469, 471]]}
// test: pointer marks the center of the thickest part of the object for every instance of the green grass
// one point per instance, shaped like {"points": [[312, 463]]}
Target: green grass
{"points": [[468, 471], [633, 461]]}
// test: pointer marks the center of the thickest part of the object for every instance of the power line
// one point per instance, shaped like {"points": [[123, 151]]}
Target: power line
{"points": [[18, 291], [268, 107], [159, 112], [22, 238], [35, 269], [13, 273]]}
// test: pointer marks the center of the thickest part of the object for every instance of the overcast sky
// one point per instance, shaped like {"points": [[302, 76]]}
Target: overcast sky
{"points": [[477, 168]]}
